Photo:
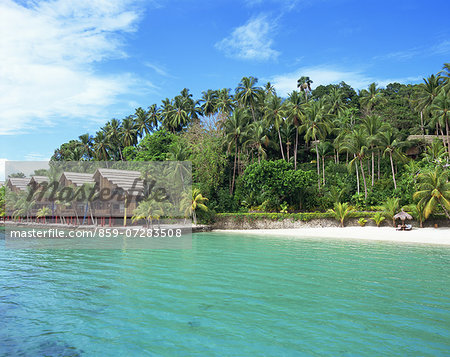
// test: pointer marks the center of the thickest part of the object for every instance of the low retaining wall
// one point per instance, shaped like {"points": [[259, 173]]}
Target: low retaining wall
{"points": [[242, 222]]}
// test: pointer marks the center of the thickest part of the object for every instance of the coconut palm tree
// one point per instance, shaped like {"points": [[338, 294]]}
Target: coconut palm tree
{"points": [[441, 110], [179, 115], [391, 207], [225, 102], [295, 113], [234, 131], [194, 202], [341, 211], [275, 116], [86, 145], [389, 142], [324, 148], [248, 93], [335, 101], [44, 212], [428, 91], [128, 132], [356, 144], [257, 138], [148, 210], [209, 102], [101, 146], [434, 189], [154, 116], [315, 128], [371, 97], [304, 84], [142, 122], [112, 130], [372, 124]]}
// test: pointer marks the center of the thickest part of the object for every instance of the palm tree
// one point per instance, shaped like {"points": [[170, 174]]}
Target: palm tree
{"points": [[148, 210], [315, 128], [248, 93], [194, 202], [209, 102], [372, 124], [86, 145], [434, 189], [428, 91], [388, 140], [154, 116], [112, 131], [391, 207], [295, 114], [101, 146], [341, 211], [324, 148], [304, 84], [142, 122], [234, 129], [275, 115], [371, 97], [44, 212], [224, 103], [257, 138], [356, 144], [335, 101], [179, 115], [441, 110], [128, 132]]}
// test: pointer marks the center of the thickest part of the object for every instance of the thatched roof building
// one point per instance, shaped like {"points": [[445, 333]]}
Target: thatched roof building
{"points": [[38, 180], [76, 179], [128, 181], [17, 184]]}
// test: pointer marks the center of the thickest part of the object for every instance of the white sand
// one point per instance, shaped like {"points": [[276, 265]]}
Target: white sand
{"points": [[417, 235]]}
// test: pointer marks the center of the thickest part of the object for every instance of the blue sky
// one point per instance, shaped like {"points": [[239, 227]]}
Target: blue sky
{"points": [[68, 66]]}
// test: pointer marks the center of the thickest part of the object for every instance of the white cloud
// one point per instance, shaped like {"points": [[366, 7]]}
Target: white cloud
{"points": [[48, 50], [2, 169], [323, 75], [252, 41]]}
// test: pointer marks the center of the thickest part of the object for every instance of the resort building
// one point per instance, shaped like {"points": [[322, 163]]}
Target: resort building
{"points": [[118, 189], [17, 185]]}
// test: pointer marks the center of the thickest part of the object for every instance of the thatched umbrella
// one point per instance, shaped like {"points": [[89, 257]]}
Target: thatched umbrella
{"points": [[402, 215]]}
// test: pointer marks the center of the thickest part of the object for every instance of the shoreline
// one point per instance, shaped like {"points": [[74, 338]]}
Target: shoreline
{"points": [[439, 236]]}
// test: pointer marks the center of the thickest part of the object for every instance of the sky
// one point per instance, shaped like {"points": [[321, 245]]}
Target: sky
{"points": [[68, 66]]}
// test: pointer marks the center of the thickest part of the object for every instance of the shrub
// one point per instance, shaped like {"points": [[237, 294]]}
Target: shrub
{"points": [[378, 218], [362, 222]]}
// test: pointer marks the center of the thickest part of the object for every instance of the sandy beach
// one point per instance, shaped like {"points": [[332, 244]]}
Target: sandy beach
{"points": [[417, 235]]}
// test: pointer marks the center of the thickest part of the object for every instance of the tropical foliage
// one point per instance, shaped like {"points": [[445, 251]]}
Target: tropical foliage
{"points": [[253, 149]]}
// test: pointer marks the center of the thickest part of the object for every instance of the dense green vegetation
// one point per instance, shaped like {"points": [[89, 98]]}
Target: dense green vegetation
{"points": [[252, 150]]}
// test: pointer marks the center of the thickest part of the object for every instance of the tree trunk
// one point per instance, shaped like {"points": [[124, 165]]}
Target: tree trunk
{"points": [[323, 169], [445, 210], [318, 165], [234, 167], [421, 124], [357, 177], [448, 138], [373, 167], [296, 147], [379, 164], [287, 150], [281, 145], [364, 178], [392, 167]]}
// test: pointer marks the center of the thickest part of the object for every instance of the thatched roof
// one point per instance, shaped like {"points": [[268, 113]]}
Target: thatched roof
{"points": [[38, 179], [19, 183], [77, 179], [427, 138], [129, 181], [403, 215]]}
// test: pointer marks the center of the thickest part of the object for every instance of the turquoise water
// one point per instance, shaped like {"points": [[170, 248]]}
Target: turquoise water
{"points": [[229, 295]]}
